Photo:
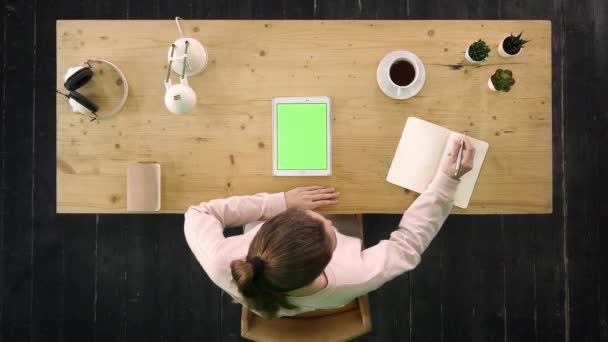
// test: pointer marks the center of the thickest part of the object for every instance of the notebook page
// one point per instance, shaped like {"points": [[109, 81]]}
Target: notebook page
{"points": [[418, 154]]}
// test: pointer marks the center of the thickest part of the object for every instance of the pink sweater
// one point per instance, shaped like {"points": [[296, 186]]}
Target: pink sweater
{"points": [[351, 272]]}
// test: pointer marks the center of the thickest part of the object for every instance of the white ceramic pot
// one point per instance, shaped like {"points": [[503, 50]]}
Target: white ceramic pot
{"points": [[503, 53], [491, 85], [469, 59]]}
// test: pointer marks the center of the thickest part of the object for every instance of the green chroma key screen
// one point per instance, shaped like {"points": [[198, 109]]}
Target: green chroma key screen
{"points": [[301, 136]]}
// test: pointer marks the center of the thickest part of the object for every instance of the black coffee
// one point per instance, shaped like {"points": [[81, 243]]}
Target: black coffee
{"points": [[402, 73]]}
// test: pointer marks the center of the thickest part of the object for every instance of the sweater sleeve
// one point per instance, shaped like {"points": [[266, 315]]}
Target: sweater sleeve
{"points": [[418, 226], [204, 223]]}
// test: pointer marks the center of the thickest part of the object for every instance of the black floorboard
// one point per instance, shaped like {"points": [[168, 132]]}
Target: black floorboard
{"points": [[132, 278], [18, 171], [600, 21], [582, 166], [391, 318]]}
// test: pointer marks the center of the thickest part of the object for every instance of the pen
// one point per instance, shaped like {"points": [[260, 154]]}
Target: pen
{"points": [[459, 156]]}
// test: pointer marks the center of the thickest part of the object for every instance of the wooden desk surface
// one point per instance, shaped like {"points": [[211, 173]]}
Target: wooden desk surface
{"points": [[224, 148]]}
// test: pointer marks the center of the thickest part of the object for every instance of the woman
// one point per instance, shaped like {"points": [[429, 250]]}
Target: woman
{"points": [[296, 261]]}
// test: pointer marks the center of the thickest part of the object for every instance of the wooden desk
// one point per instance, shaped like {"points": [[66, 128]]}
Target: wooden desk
{"points": [[224, 148]]}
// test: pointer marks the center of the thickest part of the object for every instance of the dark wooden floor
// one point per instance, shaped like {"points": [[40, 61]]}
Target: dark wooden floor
{"points": [[132, 278]]}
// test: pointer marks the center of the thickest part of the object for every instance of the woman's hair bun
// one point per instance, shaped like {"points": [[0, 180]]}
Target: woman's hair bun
{"points": [[242, 272]]}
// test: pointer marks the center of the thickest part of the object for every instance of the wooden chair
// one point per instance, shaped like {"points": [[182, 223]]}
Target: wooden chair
{"points": [[340, 324]]}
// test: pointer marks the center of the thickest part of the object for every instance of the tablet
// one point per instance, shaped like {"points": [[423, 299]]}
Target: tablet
{"points": [[301, 136]]}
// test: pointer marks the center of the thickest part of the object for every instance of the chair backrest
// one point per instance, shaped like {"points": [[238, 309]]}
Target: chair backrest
{"points": [[340, 324]]}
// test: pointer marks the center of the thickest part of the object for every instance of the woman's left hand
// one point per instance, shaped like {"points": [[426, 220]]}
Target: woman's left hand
{"points": [[311, 197]]}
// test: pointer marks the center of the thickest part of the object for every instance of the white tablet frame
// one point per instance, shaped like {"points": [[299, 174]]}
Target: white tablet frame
{"points": [[313, 99]]}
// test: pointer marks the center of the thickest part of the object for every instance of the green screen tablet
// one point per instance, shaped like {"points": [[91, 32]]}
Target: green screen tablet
{"points": [[301, 136]]}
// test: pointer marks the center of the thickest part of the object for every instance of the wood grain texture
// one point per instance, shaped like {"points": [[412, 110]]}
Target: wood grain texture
{"points": [[80, 266], [64, 260], [489, 312], [387, 324], [142, 277], [17, 278], [600, 22], [252, 61], [3, 187], [191, 306], [539, 237], [143, 250], [458, 274], [520, 282], [111, 287], [49, 272], [425, 294], [583, 161], [174, 288], [483, 313], [447, 9], [390, 304]]}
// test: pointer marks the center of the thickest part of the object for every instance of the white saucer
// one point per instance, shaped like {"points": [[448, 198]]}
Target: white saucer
{"points": [[388, 87]]}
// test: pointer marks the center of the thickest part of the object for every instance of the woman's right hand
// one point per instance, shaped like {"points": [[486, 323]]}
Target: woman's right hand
{"points": [[311, 197], [466, 161]]}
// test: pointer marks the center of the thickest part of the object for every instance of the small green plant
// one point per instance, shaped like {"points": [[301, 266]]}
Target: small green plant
{"points": [[513, 44], [479, 50], [503, 80]]}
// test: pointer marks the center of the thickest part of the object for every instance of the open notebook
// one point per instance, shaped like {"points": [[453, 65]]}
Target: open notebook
{"points": [[419, 155]]}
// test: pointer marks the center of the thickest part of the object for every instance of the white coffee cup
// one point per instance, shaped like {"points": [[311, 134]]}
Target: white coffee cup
{"points": [[400, 75]]}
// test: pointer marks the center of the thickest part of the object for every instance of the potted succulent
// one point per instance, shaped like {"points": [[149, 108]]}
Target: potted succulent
{"points": [[477, 52], [511, 45], [502, 80]]}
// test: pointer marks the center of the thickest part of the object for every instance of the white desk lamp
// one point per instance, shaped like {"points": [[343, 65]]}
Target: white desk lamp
{"points": [[180, 98]]}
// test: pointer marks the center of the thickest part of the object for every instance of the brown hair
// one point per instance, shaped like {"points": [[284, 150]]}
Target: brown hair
{"points": [[293, 249]]}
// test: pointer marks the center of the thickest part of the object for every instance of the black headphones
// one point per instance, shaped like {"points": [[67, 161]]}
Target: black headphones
{"points": [[78, 76]]}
